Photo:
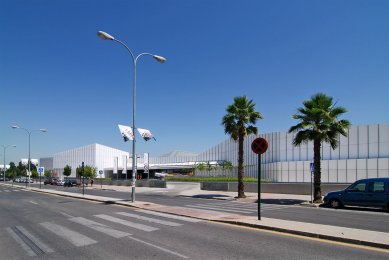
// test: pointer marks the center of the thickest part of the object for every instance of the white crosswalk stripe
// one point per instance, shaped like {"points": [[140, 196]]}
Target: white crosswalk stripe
{"points": [[153, 220], [100, 227], [165, 215], [73, 237], [127, 223], [34, 247], [237, 207]]}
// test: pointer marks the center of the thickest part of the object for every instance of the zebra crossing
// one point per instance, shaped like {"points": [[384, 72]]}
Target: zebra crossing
{"points": [[67, 230], [8, 190], [237, 207]]}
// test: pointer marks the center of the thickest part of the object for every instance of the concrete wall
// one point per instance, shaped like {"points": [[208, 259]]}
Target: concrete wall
{"points": [[284, 188]]}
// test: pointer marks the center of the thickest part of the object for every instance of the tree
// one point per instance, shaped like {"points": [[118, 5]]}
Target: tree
{"points": [[21, 169], [209, 167], [89, 171], [12, 171], [319, 123], [48, 173], [226, 166], [200, 166], [67, 170], [239, 122]]}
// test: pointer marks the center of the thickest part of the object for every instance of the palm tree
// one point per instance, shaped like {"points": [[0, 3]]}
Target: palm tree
{"points": [[319, 123], [238, 122]]}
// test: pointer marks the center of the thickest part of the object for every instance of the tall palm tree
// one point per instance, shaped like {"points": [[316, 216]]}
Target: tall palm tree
{"points": [[319, 123], [238, 122]]}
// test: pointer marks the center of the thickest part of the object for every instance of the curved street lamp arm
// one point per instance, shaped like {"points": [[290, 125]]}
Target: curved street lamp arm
{"points": [[128, 49]]}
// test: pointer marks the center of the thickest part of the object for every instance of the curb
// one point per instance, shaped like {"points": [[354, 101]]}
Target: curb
{"points": [[307, 234]]}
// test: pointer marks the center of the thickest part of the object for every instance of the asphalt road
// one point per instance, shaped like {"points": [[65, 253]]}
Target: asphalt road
{"points": [[368, 219], [42, 226]]}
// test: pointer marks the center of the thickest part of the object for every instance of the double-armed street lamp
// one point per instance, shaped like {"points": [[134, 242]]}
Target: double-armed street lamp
{"points": [[4, 168], [29, 146], [106, 36]]}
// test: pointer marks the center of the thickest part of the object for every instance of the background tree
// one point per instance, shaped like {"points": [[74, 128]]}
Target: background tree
{"points": [[319, 123], [226, 166], [209, 167], [21, 169], [67, 170], [239, 122], [12, 171], [200, 166], [34, 174], [89, 171], [48, 173]]}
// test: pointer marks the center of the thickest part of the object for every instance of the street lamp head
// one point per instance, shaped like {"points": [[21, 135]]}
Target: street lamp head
{"points": [[13, 145], [105, 36], [15, 126], [43, 130], [159, 58]]}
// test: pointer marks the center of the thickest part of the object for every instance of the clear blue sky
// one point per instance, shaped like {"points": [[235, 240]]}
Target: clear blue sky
{"points": [[55, 73]]}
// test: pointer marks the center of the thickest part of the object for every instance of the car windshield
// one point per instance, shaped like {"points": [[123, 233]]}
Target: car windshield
{"points": [[360, 186]]}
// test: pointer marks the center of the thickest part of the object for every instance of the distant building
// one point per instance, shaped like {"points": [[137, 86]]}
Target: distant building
{"points": [[364, 153], [95, 155]]}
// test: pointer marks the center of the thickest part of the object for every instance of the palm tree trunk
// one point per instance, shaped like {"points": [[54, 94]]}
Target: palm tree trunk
{"points": [[240, 166], [317, 171]]}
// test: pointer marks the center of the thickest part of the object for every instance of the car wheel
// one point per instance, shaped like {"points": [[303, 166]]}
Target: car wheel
{"points": [[335, 203]]}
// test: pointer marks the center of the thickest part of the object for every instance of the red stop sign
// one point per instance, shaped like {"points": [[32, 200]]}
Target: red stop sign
{"points": [[259, 145]]}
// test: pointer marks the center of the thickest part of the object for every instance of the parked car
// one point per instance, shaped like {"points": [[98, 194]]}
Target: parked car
{"points": [[70, 182], [17, 179], [363, 193], [54, 181], [60, 182], [47, 180]]}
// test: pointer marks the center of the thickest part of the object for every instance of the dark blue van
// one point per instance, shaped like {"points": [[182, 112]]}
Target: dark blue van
{"points": [[364, 193]]}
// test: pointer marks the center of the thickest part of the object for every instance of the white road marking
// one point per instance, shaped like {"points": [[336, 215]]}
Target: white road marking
{"points": [[66, 214], [158, 247], [154, 220], [187, 219], [127, 223], [100, 227], [219, 208], [73, 237], [33, 202]]}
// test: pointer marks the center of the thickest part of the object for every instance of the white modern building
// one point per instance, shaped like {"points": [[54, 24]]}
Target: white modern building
{"points": [[364, 153], [95, 155]]}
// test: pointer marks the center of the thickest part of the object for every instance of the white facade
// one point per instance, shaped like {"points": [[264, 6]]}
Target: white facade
{"points": [[95, 155], [364, 153]]}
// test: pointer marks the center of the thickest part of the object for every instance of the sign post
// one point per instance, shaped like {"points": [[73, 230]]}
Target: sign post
{"points": [[259, 146], [101, 178], [83, 179], [41, 170]]}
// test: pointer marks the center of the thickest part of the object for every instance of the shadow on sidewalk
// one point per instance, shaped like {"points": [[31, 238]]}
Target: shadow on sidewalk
{"points": [[281, 201], [211, 196]]}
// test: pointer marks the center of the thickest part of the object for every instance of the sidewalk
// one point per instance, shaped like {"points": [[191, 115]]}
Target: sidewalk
{"points": [[333, 233]]}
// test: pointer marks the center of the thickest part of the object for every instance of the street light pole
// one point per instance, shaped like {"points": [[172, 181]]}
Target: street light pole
{"points": [[29, 147], [4, 168], [106, 36]]}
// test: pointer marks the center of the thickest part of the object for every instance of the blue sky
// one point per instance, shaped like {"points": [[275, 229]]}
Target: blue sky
{"points": [[55, 73]]}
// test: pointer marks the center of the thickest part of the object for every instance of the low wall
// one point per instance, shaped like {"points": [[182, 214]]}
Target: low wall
{"points": [[285, 188], [152, 183]]}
